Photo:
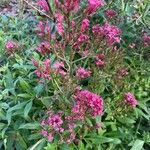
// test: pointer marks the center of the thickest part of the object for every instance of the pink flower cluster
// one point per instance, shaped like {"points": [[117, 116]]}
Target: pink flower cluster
{"points": [[11, 46], [82, 38], [146, 39], [54, 122], [82, 73], [43, 28], [85, 25], [129, 99], [68, 5], [93, 5], [43, 4], [44, 48], [100, 60], [59, 23], [54, 125], [42, 71], [86, 103], [72, 5], [110, 32], [60, 68], [110, 13], [123, 72]]}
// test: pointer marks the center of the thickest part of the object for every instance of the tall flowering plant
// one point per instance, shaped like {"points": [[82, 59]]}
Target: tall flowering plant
{"points": [[81, 51]]}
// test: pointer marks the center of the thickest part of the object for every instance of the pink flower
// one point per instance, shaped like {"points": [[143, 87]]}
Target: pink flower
{"points": [[83, 38], [57, 3], [59, 66], [85, 53], [146, 39], [73, 25], [112, 34], [59, 17], [87, 103], [93, 5], [47, 63], [59, 129], [82, 73], [68, 5], [71, 127], [42, 71], [35, 62], [132, 45], [43, 123], [98, 30], [129, 99], [99, 60], [54, 125], [43, 4], [71, 5], [110, 13], [59, 23], [44, 48], [71, 138], [43, 29], [85, 25], [55, 121], [40, 28], [60, 28], [50, 137], [44, 133], [98, 125], [123, 72], [11, 46]]}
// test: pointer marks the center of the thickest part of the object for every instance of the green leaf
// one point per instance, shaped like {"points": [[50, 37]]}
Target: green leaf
{"points": [[138, 144], [10, 142], [10, 113], [3, 132], [2, 126], [21, 141], [25, 85], [64, 147], [25, 95], [27, 109], [101, 139], [34, 125], [46, 101], [141, 113], [4, 105], [81, 146], [9, 82], [126, 120], [35, 136], [39, 89], [50, 147], [38, 145]]}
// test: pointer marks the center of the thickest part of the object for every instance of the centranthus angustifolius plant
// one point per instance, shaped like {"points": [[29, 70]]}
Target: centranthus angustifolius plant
{"points": [[82, 52]]}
